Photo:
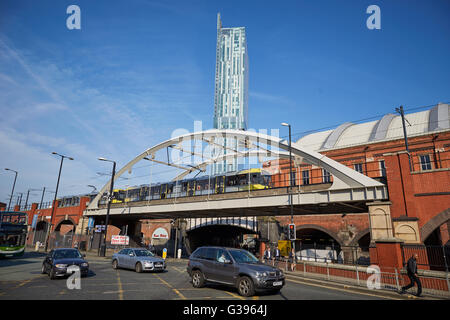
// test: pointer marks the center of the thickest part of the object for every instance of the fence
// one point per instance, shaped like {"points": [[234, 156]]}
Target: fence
{"points": [[333, 254], [431, 257], [433, 282]]}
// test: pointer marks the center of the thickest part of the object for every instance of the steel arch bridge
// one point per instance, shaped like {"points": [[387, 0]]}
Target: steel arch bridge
{"points": [[348, 187]]}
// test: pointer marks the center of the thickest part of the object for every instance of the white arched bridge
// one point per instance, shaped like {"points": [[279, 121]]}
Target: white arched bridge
{"points": [[349, 190]]}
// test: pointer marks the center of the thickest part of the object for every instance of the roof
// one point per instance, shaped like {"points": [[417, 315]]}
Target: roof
{"points": [[389, 127]]}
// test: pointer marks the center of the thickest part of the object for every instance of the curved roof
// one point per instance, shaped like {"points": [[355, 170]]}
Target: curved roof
{"points": [[389, 127]]}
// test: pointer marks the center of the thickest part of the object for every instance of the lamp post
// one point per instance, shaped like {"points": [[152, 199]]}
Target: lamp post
{"points": [[14, 184], [54, 200], [290, 176], [103, 238]]}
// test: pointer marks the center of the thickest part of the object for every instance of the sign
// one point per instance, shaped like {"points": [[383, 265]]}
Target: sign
{"points": [[285, 247], [33, 223], [160, 233], [164, 255], [120, 240], [100, 228], [91, 223]]}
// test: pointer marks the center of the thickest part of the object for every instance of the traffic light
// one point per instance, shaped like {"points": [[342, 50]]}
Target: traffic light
{"points": [[291, 232]]}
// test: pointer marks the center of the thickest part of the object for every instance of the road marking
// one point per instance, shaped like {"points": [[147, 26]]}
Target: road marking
{"points": [[235, 295], [119, 283], [171, 287], [177, 269], [338, 289], [23, 283]]}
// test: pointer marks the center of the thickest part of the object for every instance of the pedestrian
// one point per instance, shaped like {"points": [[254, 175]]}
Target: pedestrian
{"points": [[411, 268], [276, 255], [292, 259], [267, 255]]}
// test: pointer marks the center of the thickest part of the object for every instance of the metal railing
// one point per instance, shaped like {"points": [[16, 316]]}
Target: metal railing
{"points": [[434, 257]]}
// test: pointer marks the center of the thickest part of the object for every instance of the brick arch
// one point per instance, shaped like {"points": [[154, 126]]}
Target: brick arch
{"points": [[434, 223], [320, 228], [358, 236], [58, 225]]}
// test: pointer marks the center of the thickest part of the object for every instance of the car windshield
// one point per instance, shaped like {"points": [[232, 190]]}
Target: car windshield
{"points": [[242, 256], [143, 253], [67, 254]]}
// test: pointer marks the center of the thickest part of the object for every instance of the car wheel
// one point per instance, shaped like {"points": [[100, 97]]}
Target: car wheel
{"points": [[115, 264], [198, 280], [246, 287], [43, 271], [138, 267]]}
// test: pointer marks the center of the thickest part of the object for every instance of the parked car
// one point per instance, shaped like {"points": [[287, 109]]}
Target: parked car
{"points": [[58, 261], [234, 267], [139, 259]]}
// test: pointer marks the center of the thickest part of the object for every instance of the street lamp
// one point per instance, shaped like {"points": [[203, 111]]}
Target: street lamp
{"points": [[54, 200], [103, 238], [14, 184], [290, 176]]}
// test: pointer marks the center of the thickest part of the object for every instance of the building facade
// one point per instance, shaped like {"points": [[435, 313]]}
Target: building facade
{"points": [[231, 88]]}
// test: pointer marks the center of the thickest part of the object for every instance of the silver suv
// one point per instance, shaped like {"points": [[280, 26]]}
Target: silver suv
{"points": [[234, 267]]}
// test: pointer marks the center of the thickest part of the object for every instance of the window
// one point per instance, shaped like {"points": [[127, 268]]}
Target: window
{"points": [[326, 176], [305, 177], [425, 162], [383, 168], [358, 167]]}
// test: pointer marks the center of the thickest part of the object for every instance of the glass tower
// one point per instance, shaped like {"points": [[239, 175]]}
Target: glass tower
{"points": [[231, 88]]}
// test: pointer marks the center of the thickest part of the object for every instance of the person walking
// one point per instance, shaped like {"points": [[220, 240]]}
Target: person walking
{"points": [[411, 268], [292, 259], [267, 255], [276, 255]]}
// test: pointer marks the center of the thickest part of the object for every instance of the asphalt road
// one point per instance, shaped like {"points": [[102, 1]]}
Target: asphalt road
{"points": [[20, 279]]}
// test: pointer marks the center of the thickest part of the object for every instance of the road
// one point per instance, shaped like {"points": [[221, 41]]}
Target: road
{"points": [[20, 279]]}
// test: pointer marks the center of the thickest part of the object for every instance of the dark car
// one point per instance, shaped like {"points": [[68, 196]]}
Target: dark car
{"points": [[234, 267], [57, 262]]}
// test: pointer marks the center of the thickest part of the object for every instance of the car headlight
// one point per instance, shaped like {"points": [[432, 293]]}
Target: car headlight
{"points": [[148, 264], [261, 274], [60, 265], [84, 264]]}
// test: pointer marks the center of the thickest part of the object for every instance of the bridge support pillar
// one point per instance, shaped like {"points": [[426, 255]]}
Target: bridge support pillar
{"points": [[385, 249], [388, 254]]}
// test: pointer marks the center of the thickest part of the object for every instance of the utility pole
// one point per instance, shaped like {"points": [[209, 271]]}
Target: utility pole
{"points": [[402, 114]]}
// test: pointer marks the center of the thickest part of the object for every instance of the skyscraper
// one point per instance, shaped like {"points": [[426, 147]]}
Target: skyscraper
{"points": [[231, 86]]}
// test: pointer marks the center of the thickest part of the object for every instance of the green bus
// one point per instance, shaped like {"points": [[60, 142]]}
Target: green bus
{"points": [[13, 233]]}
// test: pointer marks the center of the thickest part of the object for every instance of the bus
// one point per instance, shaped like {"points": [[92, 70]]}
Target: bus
{"points": [[13, 233]]}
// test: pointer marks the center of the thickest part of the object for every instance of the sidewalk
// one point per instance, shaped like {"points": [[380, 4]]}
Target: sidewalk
{"points": [[347, 284]]}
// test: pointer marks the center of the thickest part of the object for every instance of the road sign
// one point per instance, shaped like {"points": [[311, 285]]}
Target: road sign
{"points": [[120, 240], [164, 255]]}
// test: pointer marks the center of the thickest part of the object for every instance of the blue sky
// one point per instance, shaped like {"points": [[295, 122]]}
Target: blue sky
{"points": [[138, 70]]}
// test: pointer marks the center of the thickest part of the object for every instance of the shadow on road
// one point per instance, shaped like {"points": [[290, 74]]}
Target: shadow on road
{"points": [[14, 261]]}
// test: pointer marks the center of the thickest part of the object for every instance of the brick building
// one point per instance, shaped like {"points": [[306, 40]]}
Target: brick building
{"points": [[418, 182]]}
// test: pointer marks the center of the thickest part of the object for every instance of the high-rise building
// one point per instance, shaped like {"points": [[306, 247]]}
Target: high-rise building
{"points": [[231, 87]]}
